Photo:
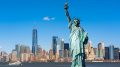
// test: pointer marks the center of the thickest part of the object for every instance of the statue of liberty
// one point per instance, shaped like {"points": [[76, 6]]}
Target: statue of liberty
{"points": [[78, 38]]}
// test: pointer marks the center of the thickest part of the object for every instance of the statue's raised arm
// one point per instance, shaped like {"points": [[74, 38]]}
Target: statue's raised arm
{"points": [[67, 13], [78, 38]]}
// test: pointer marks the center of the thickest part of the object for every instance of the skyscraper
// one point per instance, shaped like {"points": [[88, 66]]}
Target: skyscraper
{"points": [[111, 52], [95, 51], [90, 55], [17, 48], [116, 53], [101, 50], [62, 44], [4, 56], [51, 54], [107, 51], [24, 49], [62, 48], [66, 50], [54, 44], [13, 56], [34, 41], [66, 53], [66, 46], [119, 55]]}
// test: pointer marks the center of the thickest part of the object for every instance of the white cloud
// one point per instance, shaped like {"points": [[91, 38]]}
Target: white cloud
{"points": [[46, 18]]}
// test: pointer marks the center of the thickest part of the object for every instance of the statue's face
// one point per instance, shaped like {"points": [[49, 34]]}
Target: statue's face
{"points": [[76, 22]]}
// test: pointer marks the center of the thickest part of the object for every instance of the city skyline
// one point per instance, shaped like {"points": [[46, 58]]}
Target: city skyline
{"points": [[60, 53], [99, 18]]}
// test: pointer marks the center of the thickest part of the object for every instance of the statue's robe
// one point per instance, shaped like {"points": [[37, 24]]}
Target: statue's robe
{"points": [[77, 38]]}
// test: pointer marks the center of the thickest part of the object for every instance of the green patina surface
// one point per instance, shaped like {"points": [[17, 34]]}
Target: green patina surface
{"points": [[77, 37]]}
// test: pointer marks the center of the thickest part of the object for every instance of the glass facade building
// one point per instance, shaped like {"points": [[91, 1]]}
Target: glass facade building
{"points": [[34, 41]]}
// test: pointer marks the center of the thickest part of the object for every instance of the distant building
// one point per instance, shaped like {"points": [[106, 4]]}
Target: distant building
{"points": [[66, 46], [116, 53], [57, 55], [24, 49], [58, 50], [50, 54], [66, 53], [44, 53], [119, 55], [67, 50], [13, 56], [62, 44], [61, 51], [54, 44], [107, 51], [101, 50], [89, 51], [4, 56], [21, 50], [34, 41], [39, 53], [32, 58], [58, 47], [111, 52], [17, 48], [25, 57], [95, 51], [38, 49]]}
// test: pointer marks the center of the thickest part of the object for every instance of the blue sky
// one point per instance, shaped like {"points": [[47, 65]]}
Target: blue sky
{"points": [[100, 18]]}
